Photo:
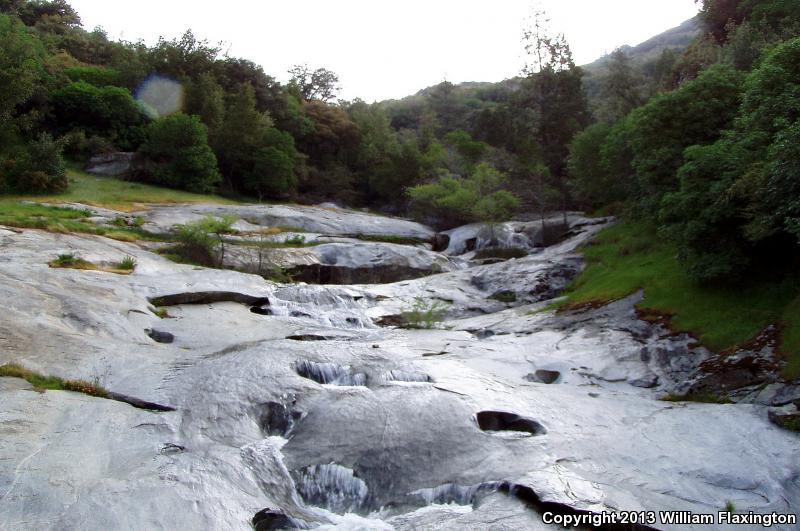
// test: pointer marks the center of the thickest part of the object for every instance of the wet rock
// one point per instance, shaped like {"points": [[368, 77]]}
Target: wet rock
{"points": [[137, 402], [543, 376], [111, 164], [390, 320], [296, 313], [311, 219], [440, 242], [330, 373], [275, 418], [483, 333], [160, 337], [646, 382], [353, 262], [786, 416], [504, 421], [208, 297], [260, 310], [307, 337], [267, 519], [171, 448]]}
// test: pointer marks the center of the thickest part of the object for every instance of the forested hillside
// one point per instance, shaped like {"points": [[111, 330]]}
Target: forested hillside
{"points": [[703, 145]]}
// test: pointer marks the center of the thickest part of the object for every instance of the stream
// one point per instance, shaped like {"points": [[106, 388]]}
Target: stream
{"points": [[302, 406]]}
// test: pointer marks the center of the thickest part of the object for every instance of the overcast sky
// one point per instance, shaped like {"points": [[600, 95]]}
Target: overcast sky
{"points": [[387, 49]]}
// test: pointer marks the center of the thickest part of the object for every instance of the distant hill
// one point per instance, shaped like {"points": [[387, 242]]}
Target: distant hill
{"points": [[475, 95], [677, 39]]}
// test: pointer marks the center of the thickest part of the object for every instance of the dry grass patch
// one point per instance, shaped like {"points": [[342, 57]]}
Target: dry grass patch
{"points": [[54, 383]]}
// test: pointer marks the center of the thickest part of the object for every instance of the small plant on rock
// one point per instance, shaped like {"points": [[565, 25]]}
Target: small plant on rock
{"points": [[66, 260], [424, 313], [127, 264]]}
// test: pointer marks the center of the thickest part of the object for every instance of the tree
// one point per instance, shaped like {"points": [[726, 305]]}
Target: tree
{"points": [[254, 156], [20, 65], [658, 132], [619, 89], [552, 93], [591, 182], [240, 136], [320, 84], [53, 11], [272, 174], [176, 154], [736, 206], [206, 99], [184, 58]]}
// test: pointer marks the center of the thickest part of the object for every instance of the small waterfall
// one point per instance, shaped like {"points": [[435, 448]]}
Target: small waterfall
{"points": [[453, 493], [332, 487], [326, 305], [405, 376], [330, 373]]}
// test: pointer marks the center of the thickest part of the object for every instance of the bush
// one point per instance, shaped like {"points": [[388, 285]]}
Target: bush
{"points": [[105, 111], [78, 146], [202, 242], [37, 169], [176, 154], [477, 198]]}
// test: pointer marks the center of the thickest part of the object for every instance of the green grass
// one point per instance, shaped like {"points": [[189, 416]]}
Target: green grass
{"points": [[116, 194], [14, 213], [66, 260], [390, 238], [627, 257], [54, 383], [127, 264], [706, 398]]}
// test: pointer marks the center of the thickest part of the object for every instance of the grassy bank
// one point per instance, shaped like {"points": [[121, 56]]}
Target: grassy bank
{"points": [[627, 257], [106, 192], [116, 194]]}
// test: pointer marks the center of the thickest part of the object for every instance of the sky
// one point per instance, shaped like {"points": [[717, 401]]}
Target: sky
{"points": [[384, 49]]}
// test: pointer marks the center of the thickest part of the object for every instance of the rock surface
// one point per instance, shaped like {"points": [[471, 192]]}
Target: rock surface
{"points": [[314, 219], [326, 433], [111, 164]]}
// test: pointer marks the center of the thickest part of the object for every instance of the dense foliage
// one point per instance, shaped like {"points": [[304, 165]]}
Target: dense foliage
{"points": [[702, 143], [713, 163]]}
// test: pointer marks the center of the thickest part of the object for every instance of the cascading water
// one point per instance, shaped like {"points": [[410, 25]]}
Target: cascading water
{"points": [[332, 487], [397, 375], [330, 373], [337, 308], [453, 493]]}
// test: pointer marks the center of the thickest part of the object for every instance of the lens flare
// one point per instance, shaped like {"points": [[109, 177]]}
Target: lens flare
{"points": [[160, 96]]}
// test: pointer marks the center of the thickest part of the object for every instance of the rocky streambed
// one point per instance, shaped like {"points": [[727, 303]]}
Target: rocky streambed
{"points": [[302, 406]]}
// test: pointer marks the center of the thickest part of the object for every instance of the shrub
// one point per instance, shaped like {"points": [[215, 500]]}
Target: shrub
{"points": [[424, 314], [38, 168], [66, 260], [202, 241], [480, 197]]}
